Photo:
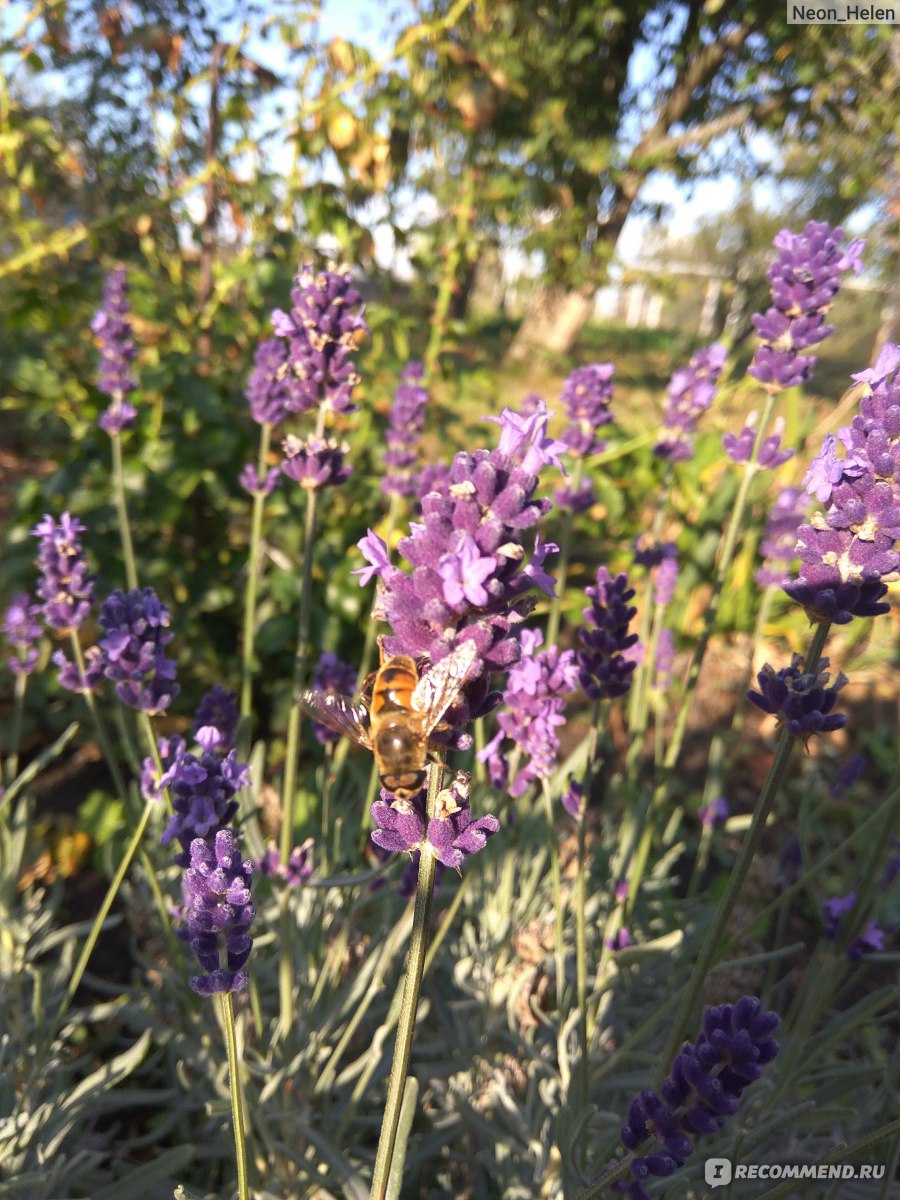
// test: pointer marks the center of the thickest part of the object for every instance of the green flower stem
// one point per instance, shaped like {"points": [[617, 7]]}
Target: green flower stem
{"points": [[118, 479], [287, 927], [556, 878], [839, 1154], [102, 914], [580, 902], [715, 936], [237, 1100], [12, 762], [409, 1004], [464, 214], [640, 679], [99, 724], [289, 789], [562, 563], [34, 768], [254, 573]]}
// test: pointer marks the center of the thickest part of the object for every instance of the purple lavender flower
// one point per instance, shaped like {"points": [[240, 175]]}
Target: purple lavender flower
{"points": [[322, 329], [269, 389], [587, 394], [255, 484], [315, 462], [434, 477], [451, 833], [665, 660], [332, 675], [216, 719], [666, 577], [715, 813], [572, 799], [847, 551], [219, 912], [469, 578], [691, 391], [23, 632], [604, 672], [805, 278], [112, 328], [834, 911], [703, 1089], [621, 891], [65, 586], [770, 455], [620, 941], [407, 420], [155, 780], [780, 539], [849, 774], [136, 624], [534, 700], [202, 791], [870, 941], [799, 700], [577, 499], [72, 678], [295, 872]]}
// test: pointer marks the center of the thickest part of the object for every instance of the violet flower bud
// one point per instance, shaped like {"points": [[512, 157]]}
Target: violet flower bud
{"points": [[800, 700], [136, 625], [23, 632], [64, 585], [112, 328], [219, 912]]}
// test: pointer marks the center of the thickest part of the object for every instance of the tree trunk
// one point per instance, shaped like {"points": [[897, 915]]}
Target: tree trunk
{"points": [[553, 320]]}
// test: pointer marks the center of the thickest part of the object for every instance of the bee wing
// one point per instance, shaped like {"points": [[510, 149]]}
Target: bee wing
{"points": [[437, 690], [338, 713]]}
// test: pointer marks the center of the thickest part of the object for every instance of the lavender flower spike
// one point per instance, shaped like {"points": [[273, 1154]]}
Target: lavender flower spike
{"points": [[65, 586], [203, 793], [23, 632], [691, 392], [136, 625], [112, 328], [315, 462], [587, 394], [407, 420], [703, 1089], [604, 672], [215, 721], [269, 390], [219, 913], [801, 701]]}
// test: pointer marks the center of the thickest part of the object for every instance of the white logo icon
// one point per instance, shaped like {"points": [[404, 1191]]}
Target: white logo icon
{"points": [[717, 1171]]}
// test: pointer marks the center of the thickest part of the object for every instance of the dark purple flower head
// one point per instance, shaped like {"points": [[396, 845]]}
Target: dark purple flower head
{"points": [[573, 799], [801, 701], [849, 774], [407, 420], [219, 912], [691, 391], [73, 679], [269, 389], [23, 632], [451, 833], [587, 394], [715, 813], [577, 499], [65, 586], [870, 941], [315, 462], [153, 780], [202, 791], [469, 576], [332, 675], [603, 671], [770, 455], [255, 484], [620, 941], [703, 1089], [112, 328], [136, 625], [849, 550], [778, 544], [805, 278], [834, 911], [653, 554], [322, 330], [216, 719], [534, 703]]}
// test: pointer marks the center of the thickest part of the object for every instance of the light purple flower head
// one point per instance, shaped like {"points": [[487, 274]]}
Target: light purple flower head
{"points": [[834, 911], [270, 387], [849, 550], [219, 912], [315, 462], [470, 576], [295, 872], [691, 391], [451, 833], [136, 628], [407, 420], [778, 544], [215, 721], [587, 394], [72, 678], [322, 329], [255, 484], [573, 799], [65, 585], [665, 660], [770, 454], [805, 278], [112, 328], [202, 790], [603, 670], [23, 632], [715, 813], [534, 705]]}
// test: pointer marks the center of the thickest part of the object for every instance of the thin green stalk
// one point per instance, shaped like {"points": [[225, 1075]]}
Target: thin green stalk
{"points": [[562, 563], [581, 963], [237, 1099], [12, 762], [99, 723], [448, 279], [556, 878], [254, 573], [289, 789], [118, 479], [715, 936], [639, 680], [412, 983]]}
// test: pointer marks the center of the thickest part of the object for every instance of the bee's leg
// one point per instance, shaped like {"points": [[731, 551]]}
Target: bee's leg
{"points": [[381, 654]]}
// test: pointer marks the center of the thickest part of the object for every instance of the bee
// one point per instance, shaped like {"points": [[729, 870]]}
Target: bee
{"points": [[396, 714]]}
